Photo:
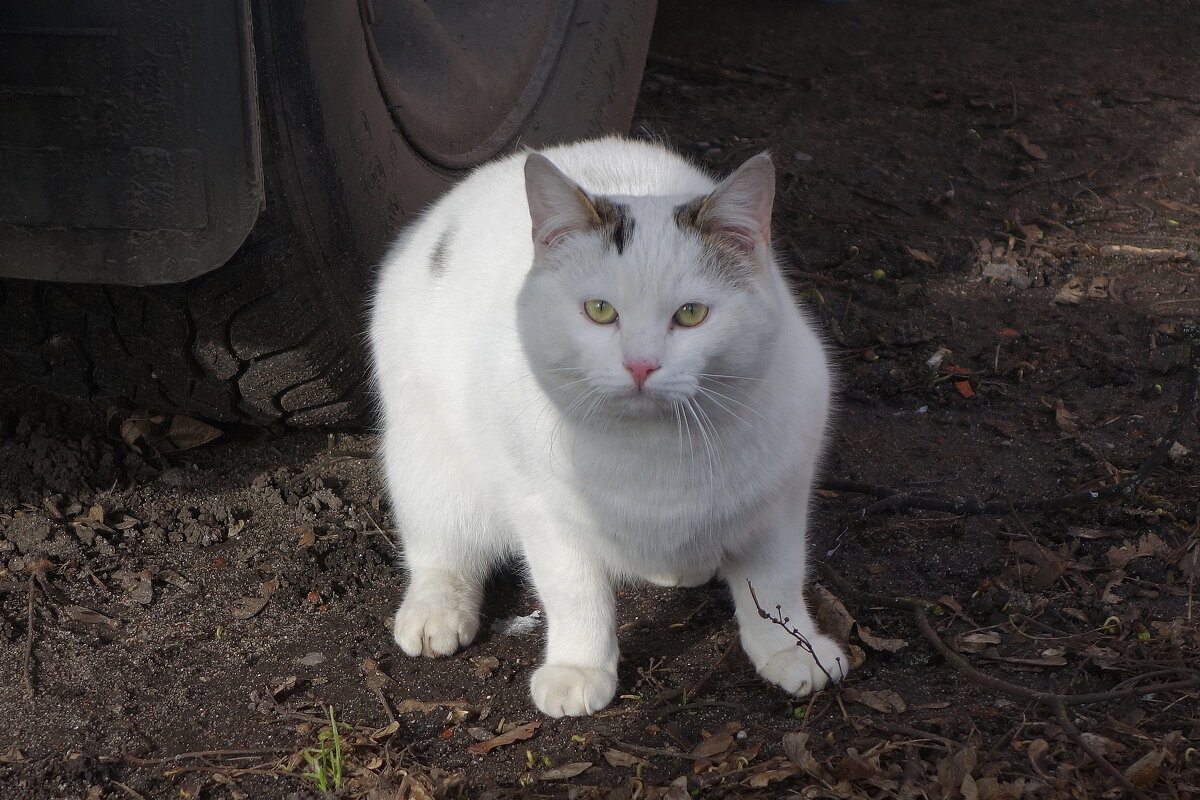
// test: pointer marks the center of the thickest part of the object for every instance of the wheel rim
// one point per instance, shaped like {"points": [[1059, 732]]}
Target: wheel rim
{"points": [[460, 77]]}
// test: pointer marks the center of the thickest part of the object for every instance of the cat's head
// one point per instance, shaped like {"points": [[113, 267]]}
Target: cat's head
{"points": [[636, 304]]}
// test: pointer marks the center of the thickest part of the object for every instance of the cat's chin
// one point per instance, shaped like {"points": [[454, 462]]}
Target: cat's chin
{"points": [[641, 405]]}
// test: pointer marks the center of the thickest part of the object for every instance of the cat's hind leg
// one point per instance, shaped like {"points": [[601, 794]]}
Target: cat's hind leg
{"points": [[449, 542]]}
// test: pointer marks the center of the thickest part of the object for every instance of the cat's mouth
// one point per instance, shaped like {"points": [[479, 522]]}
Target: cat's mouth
{"points": [[644, 402]]}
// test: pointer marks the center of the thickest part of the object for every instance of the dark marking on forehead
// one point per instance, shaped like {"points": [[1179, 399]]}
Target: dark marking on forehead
{"points": [[724, 261], [615, 220], [440, 259], [687, 214]]}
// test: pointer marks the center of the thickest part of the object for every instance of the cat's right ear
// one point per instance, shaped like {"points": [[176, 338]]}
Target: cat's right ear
{"points": [[557, 206]]}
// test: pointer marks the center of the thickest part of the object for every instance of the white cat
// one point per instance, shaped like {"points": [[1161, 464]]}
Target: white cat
{"points": [[628, 394]]}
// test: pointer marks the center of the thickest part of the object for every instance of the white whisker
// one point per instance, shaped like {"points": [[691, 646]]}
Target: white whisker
{"points": [[711, 392], [713, 397]]}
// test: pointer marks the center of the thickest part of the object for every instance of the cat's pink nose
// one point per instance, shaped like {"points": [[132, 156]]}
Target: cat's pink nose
{"points": [[640, 369]]}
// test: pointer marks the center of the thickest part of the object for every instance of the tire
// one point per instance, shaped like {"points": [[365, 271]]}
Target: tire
{"points": [[275, 334]]}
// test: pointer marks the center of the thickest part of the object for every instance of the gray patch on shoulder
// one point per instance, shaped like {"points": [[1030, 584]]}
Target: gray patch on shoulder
{"points": [[440, 260], [616, 221], [725, 261]]}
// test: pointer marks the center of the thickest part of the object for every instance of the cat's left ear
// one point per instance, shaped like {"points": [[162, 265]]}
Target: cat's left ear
{"points": [[557, 206], [738, 211]]}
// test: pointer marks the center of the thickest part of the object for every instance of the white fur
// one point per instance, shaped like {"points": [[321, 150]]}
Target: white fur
{"points": [[511, 426]]}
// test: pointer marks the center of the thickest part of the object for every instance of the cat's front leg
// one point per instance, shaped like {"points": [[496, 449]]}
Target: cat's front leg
{"points": [[774, 565], [580, 674]]}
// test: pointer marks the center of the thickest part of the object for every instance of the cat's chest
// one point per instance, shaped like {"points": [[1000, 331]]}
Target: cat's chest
{"points": [[656, 483]]}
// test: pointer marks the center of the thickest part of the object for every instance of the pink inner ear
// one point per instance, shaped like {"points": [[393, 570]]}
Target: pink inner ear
{"points": [[743, 238], [553, 237]]}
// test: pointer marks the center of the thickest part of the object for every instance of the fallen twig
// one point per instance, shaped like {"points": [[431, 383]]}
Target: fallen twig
{"points": [[1058, 702], [651, 751], [1068, 726], [231, 753], [752, 75]]}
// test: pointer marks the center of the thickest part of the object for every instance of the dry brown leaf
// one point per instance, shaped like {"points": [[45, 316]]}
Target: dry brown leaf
{"points": [[517, 734], [88, 617], [307, 536], [485, 665], [246, 607], [857, 655], [1064, 419], [856, 766], [832, 615], [375, 678], [1098, 288], [1029, 148], [619, 758], [713, 746], [95, 518], [1071, 293], [760, 779], [1101, 744], [413, 788], [885, 700], [1048, 565], [386, 731], [12, 756], [565, 771], [795, 747], [187, 432], [284, 686], [1144, 772], [921, 255], [1149, 545], [878, 642], [677, 790], [166, 434], [975, 642]]}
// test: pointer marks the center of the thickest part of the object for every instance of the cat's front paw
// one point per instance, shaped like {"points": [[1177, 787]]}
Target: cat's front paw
{"points": [[798, 672], [433, 629], [565, 690]]}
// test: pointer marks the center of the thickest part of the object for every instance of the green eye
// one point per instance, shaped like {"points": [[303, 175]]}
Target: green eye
{"points": [[600, 311], [690, 315]]}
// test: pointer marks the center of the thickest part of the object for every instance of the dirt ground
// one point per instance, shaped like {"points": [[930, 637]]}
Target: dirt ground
{"points": [[994, 211]]}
